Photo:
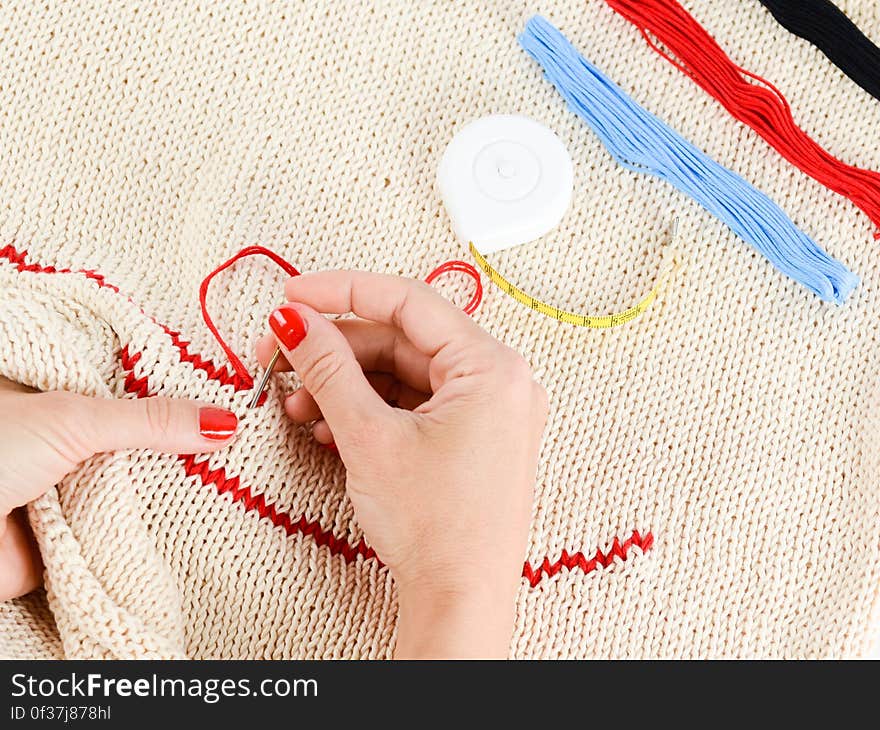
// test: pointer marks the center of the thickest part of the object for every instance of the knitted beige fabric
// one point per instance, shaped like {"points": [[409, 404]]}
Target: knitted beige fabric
{"points": [[735, 422]]}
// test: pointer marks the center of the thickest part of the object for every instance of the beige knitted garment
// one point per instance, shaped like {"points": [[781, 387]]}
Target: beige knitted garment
{"points": [[734, 423]]}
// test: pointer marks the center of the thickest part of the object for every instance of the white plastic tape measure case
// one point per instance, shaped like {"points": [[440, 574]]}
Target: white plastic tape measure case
{"points": [[505, 180]]}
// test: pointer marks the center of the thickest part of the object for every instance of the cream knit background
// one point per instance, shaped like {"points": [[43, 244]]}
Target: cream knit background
{"points": [[736, 420]]}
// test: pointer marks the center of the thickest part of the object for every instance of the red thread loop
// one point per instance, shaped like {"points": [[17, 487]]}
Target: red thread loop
{"points": [[235, 360], [464, 268]]}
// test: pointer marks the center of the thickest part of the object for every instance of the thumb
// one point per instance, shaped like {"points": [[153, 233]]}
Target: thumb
{"points": [[323, 359], [171, 425]]}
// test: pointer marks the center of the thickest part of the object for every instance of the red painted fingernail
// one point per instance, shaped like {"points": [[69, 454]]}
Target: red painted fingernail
{"points": [[217, 424], [331, 447], [289, 327]]}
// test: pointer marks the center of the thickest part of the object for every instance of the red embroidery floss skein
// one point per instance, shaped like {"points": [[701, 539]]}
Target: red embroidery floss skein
{"points": [[690, 48]]}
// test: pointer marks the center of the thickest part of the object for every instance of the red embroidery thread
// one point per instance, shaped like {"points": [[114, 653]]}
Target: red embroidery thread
{"points": [[463, 267], [237, 365], [579, 561]]}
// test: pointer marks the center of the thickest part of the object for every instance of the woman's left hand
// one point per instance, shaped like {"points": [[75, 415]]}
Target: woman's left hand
{"points": [[45, 436]]}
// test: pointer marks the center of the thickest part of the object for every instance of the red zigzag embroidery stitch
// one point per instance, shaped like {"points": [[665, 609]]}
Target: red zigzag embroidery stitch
{"points": [[225, 484], [580, 562], [216, 372]]}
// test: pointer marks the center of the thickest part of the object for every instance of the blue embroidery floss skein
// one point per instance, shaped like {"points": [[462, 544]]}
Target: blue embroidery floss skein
{"points": [[642, 143]]}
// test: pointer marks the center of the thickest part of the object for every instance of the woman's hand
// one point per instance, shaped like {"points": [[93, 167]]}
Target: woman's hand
{"points": [[441, 479], [44, 436]]}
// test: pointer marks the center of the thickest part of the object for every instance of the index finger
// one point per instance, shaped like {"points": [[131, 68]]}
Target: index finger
{"points": [[426, 318]]}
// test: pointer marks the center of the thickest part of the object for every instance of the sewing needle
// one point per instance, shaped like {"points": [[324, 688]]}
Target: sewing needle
{"points": [[264, 381]]}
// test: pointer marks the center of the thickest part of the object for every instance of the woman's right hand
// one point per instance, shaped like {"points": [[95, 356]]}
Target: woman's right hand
{"points": [[442, 480]]}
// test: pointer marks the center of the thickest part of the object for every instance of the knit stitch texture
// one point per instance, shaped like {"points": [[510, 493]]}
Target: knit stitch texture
{"points": [[708, 483]]}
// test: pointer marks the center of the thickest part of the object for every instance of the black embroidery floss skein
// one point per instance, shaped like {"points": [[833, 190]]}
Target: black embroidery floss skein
{"points": [[825, 26]]}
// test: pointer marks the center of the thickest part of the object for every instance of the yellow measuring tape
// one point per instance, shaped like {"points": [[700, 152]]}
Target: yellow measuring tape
{"points": [[603, 321]]}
